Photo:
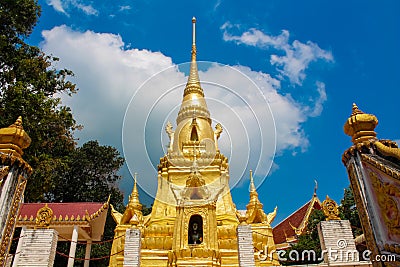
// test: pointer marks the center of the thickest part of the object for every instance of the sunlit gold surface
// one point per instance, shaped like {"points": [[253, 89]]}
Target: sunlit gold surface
{"points": [[193, 180], [13, 139], [330, 209], [374, 174], [360, 126], [44, 217]]}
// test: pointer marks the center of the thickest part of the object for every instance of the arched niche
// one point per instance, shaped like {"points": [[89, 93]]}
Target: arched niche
{"points": [[195, 231]]}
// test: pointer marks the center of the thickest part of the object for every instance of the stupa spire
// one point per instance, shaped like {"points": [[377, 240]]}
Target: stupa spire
{"points": [[253, 191], [194, 104], [134, 197], [193, 83]]}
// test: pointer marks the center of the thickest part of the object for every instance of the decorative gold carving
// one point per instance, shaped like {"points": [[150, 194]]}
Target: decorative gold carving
{"points": [[11, 159], [330, 209], [184, 191], [386, 194], [11, 220], [362, 210], [169, 130], [382, 167], [217, 133], [387, 150], [44, 217], [3, 173]]}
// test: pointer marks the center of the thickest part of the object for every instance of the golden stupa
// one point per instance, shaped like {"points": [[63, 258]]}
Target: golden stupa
{"points": [[194, 220]]}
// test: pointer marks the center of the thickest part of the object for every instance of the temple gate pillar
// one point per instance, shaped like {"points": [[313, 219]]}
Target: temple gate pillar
{"points": [[72, 249], [38, 248], [87, 253], [14, 172]]}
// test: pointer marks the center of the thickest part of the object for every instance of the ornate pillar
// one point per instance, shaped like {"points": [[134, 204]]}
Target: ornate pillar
{"points": [[72, 249], [373, 167], [14, 172]]}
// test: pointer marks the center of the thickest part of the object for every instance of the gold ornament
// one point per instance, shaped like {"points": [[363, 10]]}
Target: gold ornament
{"points": [[330, 209], [44, 217]]}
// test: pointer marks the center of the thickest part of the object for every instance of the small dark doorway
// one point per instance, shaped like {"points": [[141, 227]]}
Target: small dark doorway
{"points": [[193, 135], [195, 234]]}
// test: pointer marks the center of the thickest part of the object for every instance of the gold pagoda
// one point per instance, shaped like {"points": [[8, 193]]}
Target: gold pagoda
{"points": [[194, 220]]}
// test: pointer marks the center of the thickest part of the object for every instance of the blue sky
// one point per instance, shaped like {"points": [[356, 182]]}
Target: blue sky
{"points": [[311, 59]]}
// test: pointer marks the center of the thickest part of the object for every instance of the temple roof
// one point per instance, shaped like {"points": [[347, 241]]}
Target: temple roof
{"points": [[89, 216], [292, 226]]}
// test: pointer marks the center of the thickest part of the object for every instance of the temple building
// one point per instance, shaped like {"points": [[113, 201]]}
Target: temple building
{"points": [[194, 221], [288, 230], [78, 222]]}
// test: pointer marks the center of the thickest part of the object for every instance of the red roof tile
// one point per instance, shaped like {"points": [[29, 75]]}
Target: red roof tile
{"points": [[63, 209], [283, 229]]}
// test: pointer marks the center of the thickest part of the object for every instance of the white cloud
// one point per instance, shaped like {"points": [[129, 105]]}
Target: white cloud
{"points": [[123, 8], [109, 74], [106, 74], [318, 102], [64, 5], [87, 9], [296, 59], [57, 5]]}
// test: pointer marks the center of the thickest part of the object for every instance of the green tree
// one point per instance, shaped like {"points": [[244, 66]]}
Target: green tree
{"points": [[308, 241], [30, 86], [90, 174], [348, 211]]}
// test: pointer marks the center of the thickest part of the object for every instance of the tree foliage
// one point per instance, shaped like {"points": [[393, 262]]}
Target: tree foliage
{"points": [[348, 211], [309, 241], [31, 87]]}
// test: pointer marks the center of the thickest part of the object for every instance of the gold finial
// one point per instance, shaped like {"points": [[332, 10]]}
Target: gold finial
{"points": [[194, 31], [253, 191], [18, 122], [330, 209], [254, 210], [13, 139], [135, 193], [133, 212], [360, 126], [193, 84], [252, 186], [355, 109]]}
